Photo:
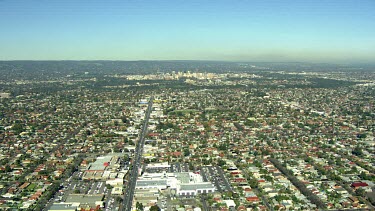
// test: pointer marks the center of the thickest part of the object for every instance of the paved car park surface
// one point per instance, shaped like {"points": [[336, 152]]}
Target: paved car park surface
{"points": [[217, 176], [78, 186], [179, 167]]}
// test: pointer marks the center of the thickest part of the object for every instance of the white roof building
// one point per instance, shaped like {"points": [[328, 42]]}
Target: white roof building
{"points": [[185, 183]]}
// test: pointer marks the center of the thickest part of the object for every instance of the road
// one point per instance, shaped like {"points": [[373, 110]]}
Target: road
{"points": [[65, 177], [129, 193], [204, 203]]}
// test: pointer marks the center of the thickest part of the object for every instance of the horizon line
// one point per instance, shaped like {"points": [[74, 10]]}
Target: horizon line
{"points": [[180, 60]]}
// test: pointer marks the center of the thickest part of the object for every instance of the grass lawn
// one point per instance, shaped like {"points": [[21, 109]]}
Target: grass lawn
{"points": [[31, 187]]}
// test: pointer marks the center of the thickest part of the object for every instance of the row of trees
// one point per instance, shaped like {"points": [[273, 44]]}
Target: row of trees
{"points": [[140, 207], [313, 198]]}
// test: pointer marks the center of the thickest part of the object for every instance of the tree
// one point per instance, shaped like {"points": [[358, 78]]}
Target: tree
{"points": [[155, 208], [124, 119], [357, 151], [362, 136], [221, 162], [88, 132], [126, 158], [253, 183], [191, 166], [223, 147], [43, 172], [186, 152], [119, 199], [18, 128], [139, 206], [360, 192]]}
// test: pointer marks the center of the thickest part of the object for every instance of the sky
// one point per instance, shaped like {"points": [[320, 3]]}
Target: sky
{"points": [[230, 30]]}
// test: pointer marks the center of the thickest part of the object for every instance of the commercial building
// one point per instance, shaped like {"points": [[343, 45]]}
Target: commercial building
{"points": [[103, 168], [183, 183], [85, 201], [64, 207]]}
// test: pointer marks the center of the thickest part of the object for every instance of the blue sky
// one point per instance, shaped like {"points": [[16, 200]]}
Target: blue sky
{"points": [[234, 30]]}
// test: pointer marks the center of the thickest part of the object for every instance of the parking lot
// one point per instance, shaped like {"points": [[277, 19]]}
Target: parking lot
{"points": [[111, 204], [179, 167], [216, 175], [174, 167], [75, 186], [162, 202]]}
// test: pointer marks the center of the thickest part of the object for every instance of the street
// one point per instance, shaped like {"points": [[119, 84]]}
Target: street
{"points": [[128, 196]]}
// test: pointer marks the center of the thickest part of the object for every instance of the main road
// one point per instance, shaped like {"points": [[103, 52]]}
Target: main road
{"points": [[129, 193]]}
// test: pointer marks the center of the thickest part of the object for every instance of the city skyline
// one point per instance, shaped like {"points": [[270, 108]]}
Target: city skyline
{"points": [[272, 31]]}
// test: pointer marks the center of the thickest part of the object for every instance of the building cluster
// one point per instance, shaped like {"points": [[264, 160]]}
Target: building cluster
{"points": [[233, 141], [45, 138], [323, 144], [176, 76]]}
